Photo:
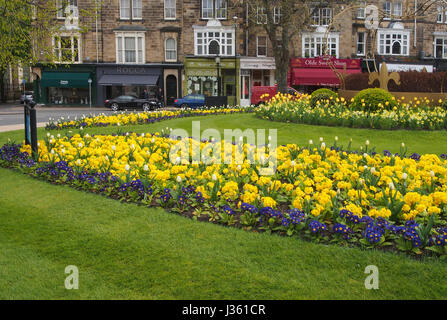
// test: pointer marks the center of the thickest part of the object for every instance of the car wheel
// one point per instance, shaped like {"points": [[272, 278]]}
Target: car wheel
{"points": [[146, 107], [184, 106], [114, 107]]}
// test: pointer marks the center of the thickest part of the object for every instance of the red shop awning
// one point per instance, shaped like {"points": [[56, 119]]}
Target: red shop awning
{"points": [[317, 77]]}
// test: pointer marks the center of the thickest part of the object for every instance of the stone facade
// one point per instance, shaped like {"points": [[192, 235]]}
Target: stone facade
{"points": [[99, 44]]}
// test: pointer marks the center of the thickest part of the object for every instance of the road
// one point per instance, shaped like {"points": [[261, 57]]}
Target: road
{"points": [[11, 116]]}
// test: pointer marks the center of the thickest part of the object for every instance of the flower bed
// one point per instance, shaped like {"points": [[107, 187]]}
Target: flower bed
{"points": [[415, 115], [325, 194], [121, 119]]}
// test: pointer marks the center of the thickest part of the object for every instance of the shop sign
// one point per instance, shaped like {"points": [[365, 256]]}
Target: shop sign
{"points": [[210, 64], [64, 82], [202, 72], [324, 63], [396, 67], [258, 64], [131, 70]]}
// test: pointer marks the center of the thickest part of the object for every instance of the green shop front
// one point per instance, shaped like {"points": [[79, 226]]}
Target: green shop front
{"points": [[202, 76], [66, 85]]}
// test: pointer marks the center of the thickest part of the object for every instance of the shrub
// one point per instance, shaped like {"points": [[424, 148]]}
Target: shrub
{"points": [[322, 95], [410, 81], [373, 99]]}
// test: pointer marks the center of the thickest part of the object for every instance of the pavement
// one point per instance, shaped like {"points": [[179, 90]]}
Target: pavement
{"points": [[12, 117]]}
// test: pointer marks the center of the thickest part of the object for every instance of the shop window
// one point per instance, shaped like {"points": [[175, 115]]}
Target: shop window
{"points": [[261, 46], [315, 45], [130, 48], [214, 9], [206, 85], [214, 42], [131, 9], [171, 49], [394, 43], [170, 11], [66, 49], [68, 95], [61, 5]]}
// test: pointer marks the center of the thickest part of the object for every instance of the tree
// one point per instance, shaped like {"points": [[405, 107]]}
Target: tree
{"points": [[283, 20], [26, 30]]}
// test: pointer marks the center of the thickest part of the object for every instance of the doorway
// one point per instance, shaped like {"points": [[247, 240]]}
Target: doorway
{"points": [[171, 89], [245, 90]]}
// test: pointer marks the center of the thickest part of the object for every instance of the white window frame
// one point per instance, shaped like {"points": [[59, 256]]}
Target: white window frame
{"points": [[257, 46], [172, 50], [260, 13], [321, 17], [207, 9], [440, 15], [223, 8], [363, 44], [204, 35], [315, 45], [140, 53], [276, 15], [388, 10], [444, 47], [72, 36], [61, 8], [361, 12], [397, 12], [134, 7], [170, 9], [122, 17], [390, 35]]}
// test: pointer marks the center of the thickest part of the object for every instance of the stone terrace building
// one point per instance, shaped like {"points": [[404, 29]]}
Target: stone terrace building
{"points": [[178, 47]]}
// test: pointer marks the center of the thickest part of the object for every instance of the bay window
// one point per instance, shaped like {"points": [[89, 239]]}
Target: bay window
{"points": [[317, 44], [66, 49], [393, 42], [213, 42], [130, 47]]}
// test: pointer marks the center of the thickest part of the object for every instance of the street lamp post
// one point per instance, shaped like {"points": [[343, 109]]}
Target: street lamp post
{"points": [[218, 76], [90, 91]]}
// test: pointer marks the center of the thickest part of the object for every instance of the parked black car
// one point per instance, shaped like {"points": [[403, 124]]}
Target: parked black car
{"points": [[132, 102]]}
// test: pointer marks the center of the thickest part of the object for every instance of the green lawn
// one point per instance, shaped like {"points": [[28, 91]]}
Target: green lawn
{"points": [[132, 252], [417, 141], [127, 251]]}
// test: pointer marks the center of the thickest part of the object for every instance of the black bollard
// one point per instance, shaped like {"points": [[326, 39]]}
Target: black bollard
{"points": [[31, 126], [27, 123]]}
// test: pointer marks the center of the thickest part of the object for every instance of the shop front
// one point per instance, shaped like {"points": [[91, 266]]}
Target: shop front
{"points": [[212, 77], [74, 85], [309, 74], [255, 72], [116, 80]]}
